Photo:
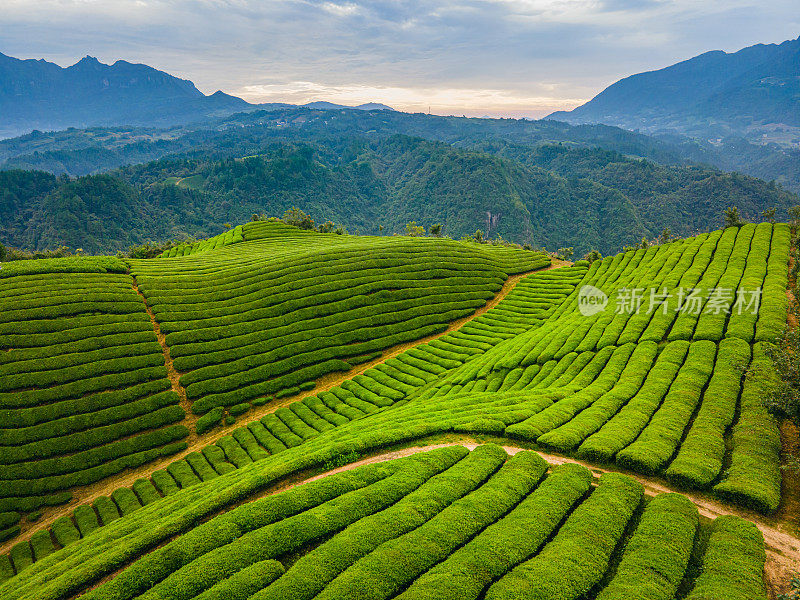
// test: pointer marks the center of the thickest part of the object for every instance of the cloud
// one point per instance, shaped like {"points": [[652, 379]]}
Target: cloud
{"points": [[465, 56], [341, 10], [438, 100]]}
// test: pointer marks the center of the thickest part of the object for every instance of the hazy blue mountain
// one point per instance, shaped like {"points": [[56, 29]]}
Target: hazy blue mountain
{"points": [[323, 105], [754, 92], [36, 94], [40, 95]]}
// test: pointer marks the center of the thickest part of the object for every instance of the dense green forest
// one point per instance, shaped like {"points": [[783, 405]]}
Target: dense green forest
{"points": [[94, 150], [548, 196]]}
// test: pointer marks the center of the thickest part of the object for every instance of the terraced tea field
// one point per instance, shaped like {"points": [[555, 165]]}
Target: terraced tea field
{"points": [[440, 524], [273, 359]]}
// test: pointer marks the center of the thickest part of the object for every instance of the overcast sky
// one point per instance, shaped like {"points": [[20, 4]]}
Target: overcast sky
{"points": [[473, 57]]}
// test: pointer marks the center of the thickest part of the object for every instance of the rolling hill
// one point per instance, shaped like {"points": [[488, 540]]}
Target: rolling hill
{"points": [[526, 195], [319, 408]]}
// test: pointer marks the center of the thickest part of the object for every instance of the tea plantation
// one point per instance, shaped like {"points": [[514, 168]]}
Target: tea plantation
{"points": [[652, 362]]}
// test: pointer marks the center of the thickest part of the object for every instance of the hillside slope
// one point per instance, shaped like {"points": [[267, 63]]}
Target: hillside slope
{"points": [[710, 95], [103, 362], [656, 387], [549, 197]]}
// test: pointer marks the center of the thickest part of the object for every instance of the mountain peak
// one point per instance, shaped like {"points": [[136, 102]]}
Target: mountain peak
{"points": [[36, 94], [374, 106], [711, 95], [88, 60]]}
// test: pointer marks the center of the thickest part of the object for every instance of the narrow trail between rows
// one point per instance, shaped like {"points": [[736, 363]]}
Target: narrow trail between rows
{"points": [[174, 377], [88, 493], [783, 549]]}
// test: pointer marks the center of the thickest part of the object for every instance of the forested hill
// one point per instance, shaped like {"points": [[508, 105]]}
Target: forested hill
{"points": [[550, 196], [88, 151], [95, 150]]}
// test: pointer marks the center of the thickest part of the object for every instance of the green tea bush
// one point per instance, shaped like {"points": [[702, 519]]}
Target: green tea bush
{"points": [[576, 559], [659, 439], [625, 426], [700, 457], [656, 557], [315, 570], [733, 564], [397, 562], [754, 477], [507, 542], [209, 420]]}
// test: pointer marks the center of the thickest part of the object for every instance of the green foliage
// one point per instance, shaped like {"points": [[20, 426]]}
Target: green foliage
{"points": [[733, 564], [659, 439], [368, 536], [151, 249], [754, 477], [656, 557], [9, 533], [297, 218], [243, 584], [699, 460], [209, 420], [564, 253], [576, 559], [300, 318], [65, 531], [11, 254], [239, 409], [532, 194], [505, 543], [83, 381], [86, 519], [794, 216], [12, 518], [414, 230], [592, 256], [731, 217], [638, 388], [784, 398], [341, 460]]}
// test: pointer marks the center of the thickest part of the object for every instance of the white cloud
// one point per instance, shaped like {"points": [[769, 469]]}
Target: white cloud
{"points": [[498, 56], [341, 10]]}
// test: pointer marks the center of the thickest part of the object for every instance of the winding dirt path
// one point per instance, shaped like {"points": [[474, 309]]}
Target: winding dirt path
{"points": [[174, 376], [89, 493]]}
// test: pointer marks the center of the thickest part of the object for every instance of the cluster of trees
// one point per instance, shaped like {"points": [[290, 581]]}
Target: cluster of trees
{"points": [[298, 218]]}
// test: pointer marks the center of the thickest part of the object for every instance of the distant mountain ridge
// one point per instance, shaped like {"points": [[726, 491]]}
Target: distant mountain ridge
{"points": [[37, 94], [748, 92], [322, 105]]}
